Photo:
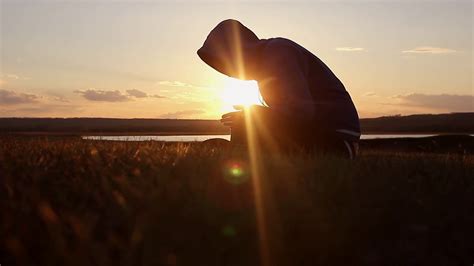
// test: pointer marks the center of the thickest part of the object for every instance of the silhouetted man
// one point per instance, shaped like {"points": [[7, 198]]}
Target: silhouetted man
{"points": [[307, 106]]}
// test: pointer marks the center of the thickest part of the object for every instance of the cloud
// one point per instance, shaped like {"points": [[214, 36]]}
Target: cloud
{"points": [[187, 92], [184, 113], [429, 50], [59, 98], [140, 94], [157, 96], [103, 96], [46, 110], [442, 102], [42, 109], [13, 76], [180, 84], [114, 95], [137, 93], [175, 84], [11, 97], [370, 94], [350, 49]]}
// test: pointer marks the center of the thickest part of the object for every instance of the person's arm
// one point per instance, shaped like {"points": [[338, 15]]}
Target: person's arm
{"points": [[236, 117], [286, 88]]}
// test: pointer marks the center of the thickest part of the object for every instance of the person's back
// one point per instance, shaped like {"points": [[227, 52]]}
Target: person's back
{"points": [[333, 107], [305, 99]]}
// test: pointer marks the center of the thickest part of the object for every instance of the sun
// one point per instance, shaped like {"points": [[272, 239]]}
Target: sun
{"points": [[240, 92]]}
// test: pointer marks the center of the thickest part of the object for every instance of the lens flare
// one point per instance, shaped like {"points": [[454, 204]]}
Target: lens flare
{"points": [[229, 231], [255, 167], [236, 172]]}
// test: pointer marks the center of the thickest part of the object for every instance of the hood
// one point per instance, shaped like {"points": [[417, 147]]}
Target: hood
{"points": [[231, 48]]}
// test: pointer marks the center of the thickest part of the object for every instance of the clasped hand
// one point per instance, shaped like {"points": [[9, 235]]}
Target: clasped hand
{"points": [[232, 118]]}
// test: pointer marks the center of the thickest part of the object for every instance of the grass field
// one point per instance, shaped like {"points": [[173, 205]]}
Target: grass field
{"points": [[75, 202]]}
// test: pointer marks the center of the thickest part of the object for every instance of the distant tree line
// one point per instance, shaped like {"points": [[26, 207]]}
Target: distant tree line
{"points": [[439, 123], [425, 123], [110, 125]]}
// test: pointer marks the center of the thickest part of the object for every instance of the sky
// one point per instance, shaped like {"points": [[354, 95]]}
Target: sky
{"points": [[137, 59]]}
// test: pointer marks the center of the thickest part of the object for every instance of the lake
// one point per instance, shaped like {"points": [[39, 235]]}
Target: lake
{"points": [[188, 138]]}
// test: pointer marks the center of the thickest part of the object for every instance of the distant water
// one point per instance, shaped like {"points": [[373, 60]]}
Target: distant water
{"points": [[177, 138], [188, 138]]}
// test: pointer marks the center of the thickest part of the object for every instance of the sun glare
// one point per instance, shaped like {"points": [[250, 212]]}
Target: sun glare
{"points": [[240, 92]]}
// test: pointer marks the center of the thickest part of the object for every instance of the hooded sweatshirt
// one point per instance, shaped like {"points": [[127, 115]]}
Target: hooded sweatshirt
{"points": [[292, 80]]}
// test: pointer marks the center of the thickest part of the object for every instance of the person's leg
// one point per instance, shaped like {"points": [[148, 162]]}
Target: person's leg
{"points": [[331, 143], [268, 130], [352, 148], [263, 128]]}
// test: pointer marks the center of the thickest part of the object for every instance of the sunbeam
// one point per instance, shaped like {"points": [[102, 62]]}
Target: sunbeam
{"points": [[255, 167]]}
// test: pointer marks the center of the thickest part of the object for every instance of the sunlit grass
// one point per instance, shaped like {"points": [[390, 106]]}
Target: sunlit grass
{"points": [[75, 202]]}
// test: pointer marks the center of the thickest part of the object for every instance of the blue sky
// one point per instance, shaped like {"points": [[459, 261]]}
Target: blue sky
{"points": [[138, 58]]}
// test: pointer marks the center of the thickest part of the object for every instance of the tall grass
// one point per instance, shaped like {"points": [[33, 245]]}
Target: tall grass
{"points": [[76, 202]]}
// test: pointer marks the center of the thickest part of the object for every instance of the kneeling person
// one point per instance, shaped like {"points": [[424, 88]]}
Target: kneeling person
{"points": [[307, 105]]}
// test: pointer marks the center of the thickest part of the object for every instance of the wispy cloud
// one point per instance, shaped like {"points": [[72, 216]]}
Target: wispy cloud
{"points": [[114, 95], [429, 50], [180, 84], [370, 94], [441, 102], [8, 97], [350, 49], [141, 94], [103, 95], [59, 98], [183, 114], [13, 76], [45, 109], [137, 93], [175, 84], [186, 92]]}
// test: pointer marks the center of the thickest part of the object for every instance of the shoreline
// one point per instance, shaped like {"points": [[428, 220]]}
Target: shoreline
{"points": [[178, 133]]}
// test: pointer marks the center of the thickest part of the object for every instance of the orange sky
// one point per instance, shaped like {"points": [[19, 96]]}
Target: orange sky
{"points": [[138, 59]]}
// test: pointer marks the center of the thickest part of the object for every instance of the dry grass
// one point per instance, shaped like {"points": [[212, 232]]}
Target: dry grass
{"points": [[74, 202]]}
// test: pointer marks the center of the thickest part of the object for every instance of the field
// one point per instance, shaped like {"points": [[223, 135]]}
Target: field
{"points": [[66, 201]]}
